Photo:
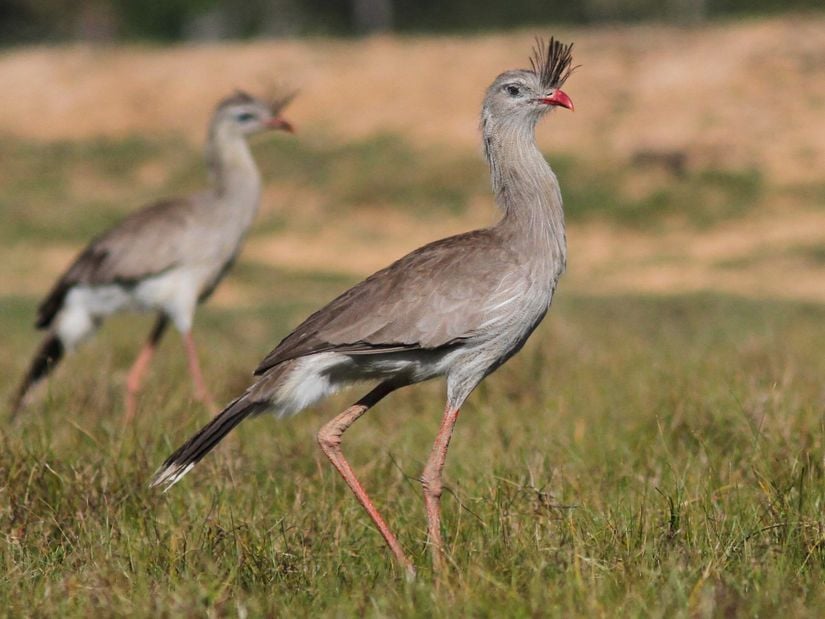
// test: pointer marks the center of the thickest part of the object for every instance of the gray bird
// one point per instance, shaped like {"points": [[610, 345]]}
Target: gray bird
{"points": [[458, 307], [167, 257]]}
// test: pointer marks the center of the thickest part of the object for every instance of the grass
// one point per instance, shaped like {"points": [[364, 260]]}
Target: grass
{"points": [[381, 170], [812, 254], [697, 198], [73, 190], [654, 457], [641, 457], [97, 182]]}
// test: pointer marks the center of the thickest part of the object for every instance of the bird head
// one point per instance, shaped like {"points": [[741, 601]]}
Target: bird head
{"points": [[529, 93], [242, 114]]}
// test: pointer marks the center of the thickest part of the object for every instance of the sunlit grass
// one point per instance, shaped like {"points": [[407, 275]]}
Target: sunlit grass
{"points": [[640, 456]]}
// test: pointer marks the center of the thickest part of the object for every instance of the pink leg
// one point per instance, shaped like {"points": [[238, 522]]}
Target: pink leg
{"points": [[201, 392], [431, 480], [329, 438], [138, 368]]}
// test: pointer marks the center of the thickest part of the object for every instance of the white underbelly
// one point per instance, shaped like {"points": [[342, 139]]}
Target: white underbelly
{"points": [[314, 377], [174, 293]]}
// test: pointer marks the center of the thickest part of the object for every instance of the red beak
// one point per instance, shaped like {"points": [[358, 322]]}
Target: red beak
{"points": [[279, 123], [560, 98]]}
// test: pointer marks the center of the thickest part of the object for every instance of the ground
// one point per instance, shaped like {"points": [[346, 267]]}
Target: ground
{"points": [[656, 449]]}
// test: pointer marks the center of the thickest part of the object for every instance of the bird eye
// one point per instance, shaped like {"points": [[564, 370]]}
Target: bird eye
{"points": [[245, 117], [513, 91]]}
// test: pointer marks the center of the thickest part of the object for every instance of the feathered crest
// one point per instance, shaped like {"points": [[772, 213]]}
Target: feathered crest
{"points": [[279, 103], [552, 62], [239, 97]]}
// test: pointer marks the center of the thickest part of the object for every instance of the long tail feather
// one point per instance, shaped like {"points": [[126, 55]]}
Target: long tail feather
{"points": [[48, 355], [190, 453]]}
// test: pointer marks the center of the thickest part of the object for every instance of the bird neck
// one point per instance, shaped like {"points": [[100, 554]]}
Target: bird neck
{"points": [[526, 190], [232, 167]]}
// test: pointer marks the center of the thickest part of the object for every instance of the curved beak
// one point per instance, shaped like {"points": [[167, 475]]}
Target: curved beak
{"points": [[559, 98], [276, 122]]}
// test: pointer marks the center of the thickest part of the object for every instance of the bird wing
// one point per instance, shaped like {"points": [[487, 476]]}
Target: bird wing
{"points": [[440, 294], [143, 244]]}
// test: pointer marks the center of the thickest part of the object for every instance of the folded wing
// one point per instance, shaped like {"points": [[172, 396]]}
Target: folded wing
{"points": [[144, 244], [425, 300]]}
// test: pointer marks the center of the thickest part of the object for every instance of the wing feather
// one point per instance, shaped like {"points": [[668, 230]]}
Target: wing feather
{"points": [[427, 299], [145, 243]]}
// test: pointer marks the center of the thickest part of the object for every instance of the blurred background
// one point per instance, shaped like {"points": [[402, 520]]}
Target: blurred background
{"points": [[694, 160], [186, 20]]}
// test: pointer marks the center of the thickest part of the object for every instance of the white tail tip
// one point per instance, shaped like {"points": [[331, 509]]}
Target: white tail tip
{"points": [[169, 475]]}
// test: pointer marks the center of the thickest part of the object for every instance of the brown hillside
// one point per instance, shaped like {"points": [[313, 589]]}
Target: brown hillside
{"points": [[742, 94]]}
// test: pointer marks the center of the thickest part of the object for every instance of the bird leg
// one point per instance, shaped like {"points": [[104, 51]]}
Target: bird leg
{"points": [[201, 392], [431, 480], [329, 438], [138, 368]]}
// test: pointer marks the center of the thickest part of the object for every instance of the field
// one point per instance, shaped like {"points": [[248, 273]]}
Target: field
{"points": [[656, 449]]}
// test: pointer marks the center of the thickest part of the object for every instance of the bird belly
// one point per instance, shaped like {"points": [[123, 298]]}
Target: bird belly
{"points": [[312, 378], [99, 301], [174, 292]]}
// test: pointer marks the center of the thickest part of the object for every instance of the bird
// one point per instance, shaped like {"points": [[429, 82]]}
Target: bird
{"points": [[457, 308], [167, 257]]}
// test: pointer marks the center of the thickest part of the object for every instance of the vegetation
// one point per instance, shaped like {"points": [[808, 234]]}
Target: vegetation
{"points": [[641, 457], [172, 20], [382, 171]]}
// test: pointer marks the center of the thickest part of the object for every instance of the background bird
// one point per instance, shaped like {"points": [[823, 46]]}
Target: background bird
{"points": [[167, 257], [458, 307]]}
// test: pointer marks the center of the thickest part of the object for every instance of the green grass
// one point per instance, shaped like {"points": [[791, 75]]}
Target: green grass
{"points": [[641, 457], [382, 170], [696, 198], [72, 191], [811, 254]]}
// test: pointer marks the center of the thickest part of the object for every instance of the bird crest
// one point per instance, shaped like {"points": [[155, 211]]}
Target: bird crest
{"points": [[552, 62], [239, 97], [280, 102]]}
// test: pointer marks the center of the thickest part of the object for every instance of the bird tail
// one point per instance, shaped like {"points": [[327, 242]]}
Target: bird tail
{"points": [[190, 453], [48, 355]]}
